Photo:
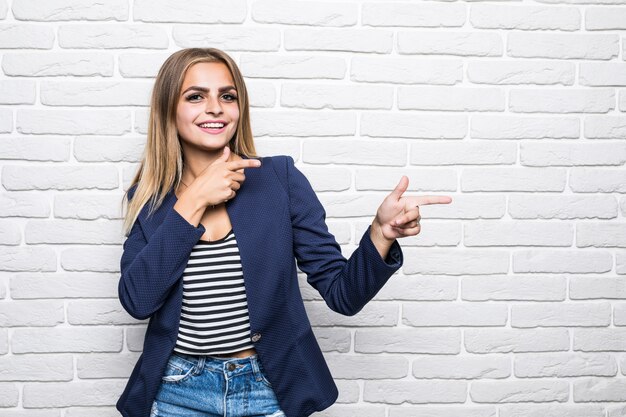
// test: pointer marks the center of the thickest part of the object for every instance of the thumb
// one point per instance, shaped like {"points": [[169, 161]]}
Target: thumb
{"points": [[224, 156], [401, 187]]}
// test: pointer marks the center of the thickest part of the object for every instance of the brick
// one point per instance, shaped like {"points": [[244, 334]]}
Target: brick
{"points": [[332, 96], [140, 65], [64, 10], [563, 365], [333, 339], [423, 288], [562, 207], [562, 46], [63, 285], [558, 315], [108, 149], [519, 391], [214, 11], [354, 151], [597, 180], [353, 40], [57, 64], [9, 394], [26, 36], [513, 179], [413, 126], [406, 70], [561, 101], [516, 340], [17, 92], [48, 367], [566, 261], [10, 233], [414, 392], [599, 389], [605, 127], [481, 44], [47, 177], [24, 259], [605, 18], [98, 312], [227, 37], [453, 314], [451, 99], [441, 411], [36, 149], [89, 93], [600, 340], [328, 178], [305, 13], [67, 339], [407, 340], [571, 154], [454, 261], [6, 117], [602, 74], [544, 288], [420, 179], [287, 123], [37, 313], [462, 367], [601, 235], [77, 122], [76, 393], [105, 365], [550, 410], [588, 288], [108, 36], [413, 14], [518, 233], [373, 314], [97, 259], [503, 71], [524, 127], [293, 67], [367, 366], [494, 16]]}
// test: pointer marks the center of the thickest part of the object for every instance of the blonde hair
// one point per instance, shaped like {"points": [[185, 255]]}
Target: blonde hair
{"points": [[161, 165]]}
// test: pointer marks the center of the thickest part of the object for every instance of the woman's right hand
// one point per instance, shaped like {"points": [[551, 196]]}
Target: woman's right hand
{"points": [[220, 180]]}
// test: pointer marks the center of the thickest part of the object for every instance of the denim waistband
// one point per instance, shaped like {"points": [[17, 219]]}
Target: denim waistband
{"points": [[213, 363]]}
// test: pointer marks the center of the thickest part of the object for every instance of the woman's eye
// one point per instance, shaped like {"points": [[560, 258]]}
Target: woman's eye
{"points": [[192, 96], [230, 95]]}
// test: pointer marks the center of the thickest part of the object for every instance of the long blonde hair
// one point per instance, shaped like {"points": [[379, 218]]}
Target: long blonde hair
{"points": [[162, 161]]}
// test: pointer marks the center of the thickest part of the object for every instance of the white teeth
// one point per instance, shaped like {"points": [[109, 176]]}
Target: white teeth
{"points": [[212, 125]]}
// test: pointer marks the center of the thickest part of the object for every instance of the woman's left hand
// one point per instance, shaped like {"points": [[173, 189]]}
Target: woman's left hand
{"points": [[399, 216]]}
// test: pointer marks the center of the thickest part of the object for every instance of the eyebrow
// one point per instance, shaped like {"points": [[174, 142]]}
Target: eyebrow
{"points": [[206, 90]]}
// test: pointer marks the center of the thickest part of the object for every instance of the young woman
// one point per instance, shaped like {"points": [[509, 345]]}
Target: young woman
{"points": [[214, 234]]}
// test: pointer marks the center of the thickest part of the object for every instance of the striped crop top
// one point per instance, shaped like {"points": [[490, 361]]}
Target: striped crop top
{"points": [[214, 316]]}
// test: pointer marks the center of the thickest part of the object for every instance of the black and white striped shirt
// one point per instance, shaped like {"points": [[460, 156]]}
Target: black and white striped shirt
{"points": [[214, 317]]}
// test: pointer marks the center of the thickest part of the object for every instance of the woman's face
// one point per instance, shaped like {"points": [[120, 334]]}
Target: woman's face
{"points": [[208, 95]]}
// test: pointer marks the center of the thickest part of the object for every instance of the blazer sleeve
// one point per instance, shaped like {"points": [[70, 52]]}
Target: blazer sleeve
{"points": [[345, 284], [149, 269]]}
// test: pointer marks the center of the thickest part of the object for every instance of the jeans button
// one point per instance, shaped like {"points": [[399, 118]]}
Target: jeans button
{"points": [[231, 366]]}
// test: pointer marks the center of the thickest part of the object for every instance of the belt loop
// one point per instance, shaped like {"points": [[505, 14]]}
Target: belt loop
{"points": [[255, 367], [200, 365]]}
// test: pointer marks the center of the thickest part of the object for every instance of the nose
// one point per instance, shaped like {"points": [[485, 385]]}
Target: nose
{"points": [[213, 106]]}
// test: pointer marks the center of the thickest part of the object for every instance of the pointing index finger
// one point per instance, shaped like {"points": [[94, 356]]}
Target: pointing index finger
{"points": [[243, 163], [429, 199]]}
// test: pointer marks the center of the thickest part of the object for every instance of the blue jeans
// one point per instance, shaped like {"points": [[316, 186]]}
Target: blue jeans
{"points": [[207, 386]]}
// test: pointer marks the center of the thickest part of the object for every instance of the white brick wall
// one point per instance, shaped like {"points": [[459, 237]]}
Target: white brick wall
{"points": [[511, 301]]}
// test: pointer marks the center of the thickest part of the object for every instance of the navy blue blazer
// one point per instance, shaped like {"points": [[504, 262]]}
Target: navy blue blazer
{"points": [[277, 220]]}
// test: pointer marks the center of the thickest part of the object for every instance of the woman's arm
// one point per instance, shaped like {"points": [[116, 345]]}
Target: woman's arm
{"points": [[149, 269], [345, 284]]}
